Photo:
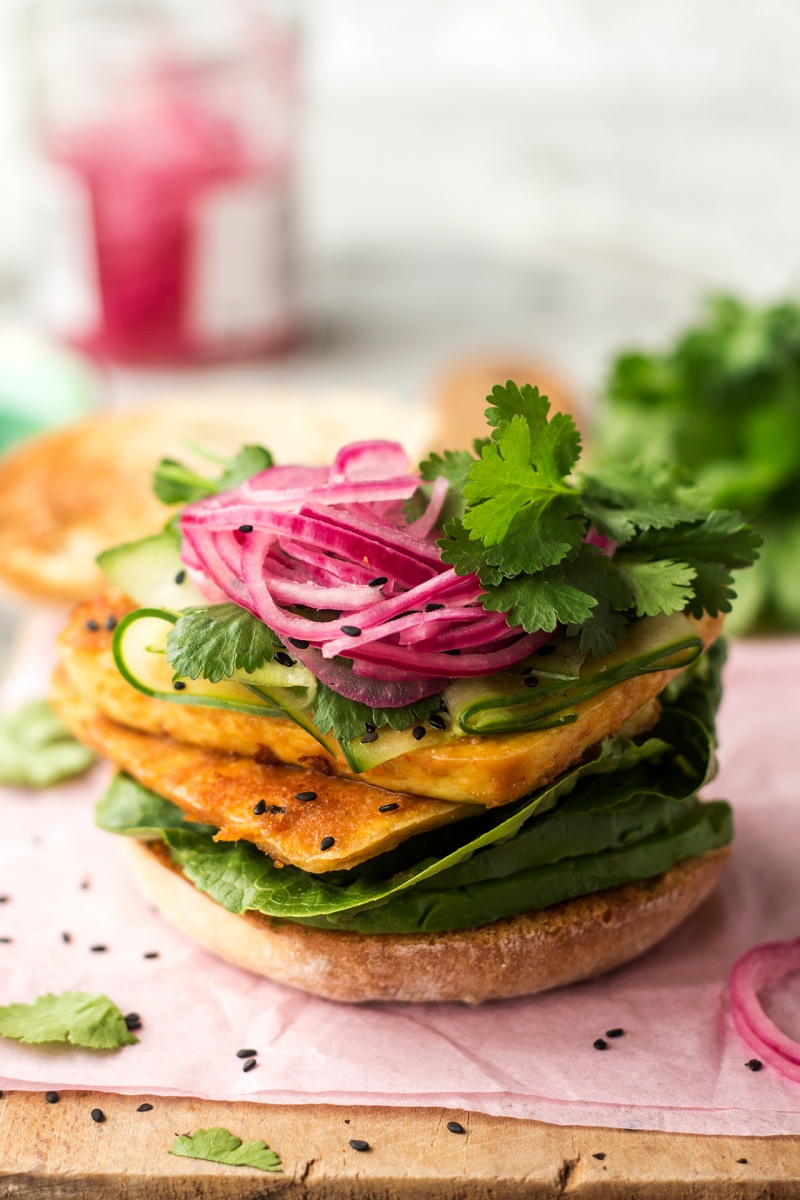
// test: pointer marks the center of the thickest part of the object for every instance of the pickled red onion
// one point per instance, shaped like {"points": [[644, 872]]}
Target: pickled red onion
{"points": [[314, 539], [760, 966]]}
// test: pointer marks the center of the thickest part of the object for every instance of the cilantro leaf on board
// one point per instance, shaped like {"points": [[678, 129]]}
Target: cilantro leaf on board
{"points": [[175, 483], [211, 643], [78, 1018], [347, 719], [36, 750], [660, 586], [220, 1146]]}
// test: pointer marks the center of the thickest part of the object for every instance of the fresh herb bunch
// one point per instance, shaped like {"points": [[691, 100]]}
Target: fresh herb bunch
{"points": [[724, 400], [521, 516]]}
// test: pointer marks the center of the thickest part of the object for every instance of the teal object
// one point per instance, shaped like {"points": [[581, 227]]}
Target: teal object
{"points": [[42, 385]]}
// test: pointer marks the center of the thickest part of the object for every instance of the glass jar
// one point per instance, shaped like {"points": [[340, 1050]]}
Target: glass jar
{"points": [[164, 202]]}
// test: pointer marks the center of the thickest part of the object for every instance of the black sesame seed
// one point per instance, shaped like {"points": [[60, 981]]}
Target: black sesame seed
{"points": [[179, 685], [85, 883], [543, 651], [388, 807], [6, 941], [369, 737], [245, 529], [436, 721], [351, 630], [433, 607], [455, 1127], [111, 623], [305, 796], [301, 643], [250, 1064], [443, 707], [600, 1155], [378, 581], [246, 1053], [179, 578], [369, 728], [418, 732], [357, 1144], [151, 954], [52, 1097], [98, 1115], [99, 949], [92, 626], [275, 809], [600, 1044], [260, 808], [284, 659], [531, 681], [741, 1160], [132, 1017], [613, 1033], [145, 1108], [454, 653], [66, 937], [133, 1026], [4, 899], [327, 842], [754, 1064]]}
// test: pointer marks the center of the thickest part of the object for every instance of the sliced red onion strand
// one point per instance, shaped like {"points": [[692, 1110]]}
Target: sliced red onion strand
{"points": [[423, 526], [759, 967]]}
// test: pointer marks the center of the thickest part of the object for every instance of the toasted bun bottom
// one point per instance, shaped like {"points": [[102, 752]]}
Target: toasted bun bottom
{"points": [[513, 957]]}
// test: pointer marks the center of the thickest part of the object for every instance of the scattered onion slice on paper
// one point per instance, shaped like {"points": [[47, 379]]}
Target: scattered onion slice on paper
{"points": [[759, 967]]}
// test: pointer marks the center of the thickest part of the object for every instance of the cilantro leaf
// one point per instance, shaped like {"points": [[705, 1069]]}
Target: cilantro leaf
{"points": [[220, 1146], [454, 465], [36, 750], [175, 483], [211, 643], [632, 498], [78, 1018], [660, 586], [459, 551], [712, 590], [519, 505], [722, 536], [347, 719], [249, 461]]}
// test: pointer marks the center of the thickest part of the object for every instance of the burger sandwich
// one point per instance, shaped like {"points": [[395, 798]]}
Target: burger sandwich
{"points": [[385, 733]]}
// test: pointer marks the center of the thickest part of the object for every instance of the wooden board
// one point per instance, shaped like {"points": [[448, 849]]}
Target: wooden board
{"points": [[56, 1152]]}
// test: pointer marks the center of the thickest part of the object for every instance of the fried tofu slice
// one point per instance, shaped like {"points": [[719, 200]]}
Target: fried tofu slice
{"points": [[489, 770], [223, 789]]}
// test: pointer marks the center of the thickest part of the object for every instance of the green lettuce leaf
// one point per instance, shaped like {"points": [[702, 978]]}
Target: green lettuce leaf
{"points": [[78, 1018]]}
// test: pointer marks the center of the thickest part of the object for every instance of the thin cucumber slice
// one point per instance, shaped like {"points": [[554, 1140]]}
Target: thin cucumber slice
{"points": [[391, 743], [507, 703], [150, 571]]}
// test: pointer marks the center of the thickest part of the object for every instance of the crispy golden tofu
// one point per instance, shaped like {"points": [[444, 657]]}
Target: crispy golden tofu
{"points": [[475, 770], [223, 789]]}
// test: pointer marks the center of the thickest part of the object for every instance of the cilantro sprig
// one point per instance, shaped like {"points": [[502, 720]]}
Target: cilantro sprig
{"points": [[211, 643], [175, 483], [347, 719], [526, 514]]}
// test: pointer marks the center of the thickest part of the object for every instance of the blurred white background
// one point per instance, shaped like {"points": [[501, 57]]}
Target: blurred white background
{"points": [[560, 178]]}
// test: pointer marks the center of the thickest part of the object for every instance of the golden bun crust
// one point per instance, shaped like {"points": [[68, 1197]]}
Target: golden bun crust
{"points": [[68, 494], [518, 956]]}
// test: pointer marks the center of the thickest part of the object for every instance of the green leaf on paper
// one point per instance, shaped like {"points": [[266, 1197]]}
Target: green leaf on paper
{"points": [[78, 1018]]}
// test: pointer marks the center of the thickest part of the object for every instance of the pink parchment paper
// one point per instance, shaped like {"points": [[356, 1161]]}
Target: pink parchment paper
{"points": [[680, 1066]]}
